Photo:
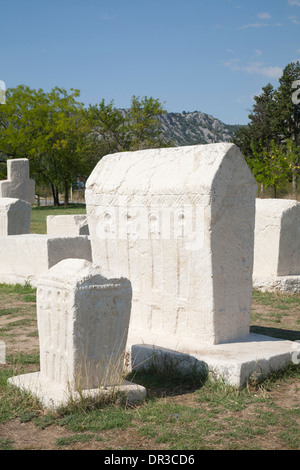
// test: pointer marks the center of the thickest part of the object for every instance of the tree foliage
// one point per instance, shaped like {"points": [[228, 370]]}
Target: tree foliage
{"points": [[64, 140], [270, 142]]}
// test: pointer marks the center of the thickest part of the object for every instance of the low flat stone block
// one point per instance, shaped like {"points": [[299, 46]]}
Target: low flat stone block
{"points": [[257, 356], [23, 258], [54, 395], [67, 225], [288, 284]]}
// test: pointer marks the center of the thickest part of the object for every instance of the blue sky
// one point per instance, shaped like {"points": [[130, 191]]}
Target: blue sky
{"points": [[211, 56]]}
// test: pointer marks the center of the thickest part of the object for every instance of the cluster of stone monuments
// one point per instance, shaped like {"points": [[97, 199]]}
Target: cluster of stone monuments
{"points": [[163, 265]]}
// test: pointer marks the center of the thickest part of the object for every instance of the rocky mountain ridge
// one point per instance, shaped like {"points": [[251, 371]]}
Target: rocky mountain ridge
{"points": [[193, 128]]}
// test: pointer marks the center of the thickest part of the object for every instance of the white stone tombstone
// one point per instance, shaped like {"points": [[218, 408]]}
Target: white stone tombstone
{"points": [[83, 324], [179, 223], [277, 245], [15, 216], [67, 225], [18, 184]]}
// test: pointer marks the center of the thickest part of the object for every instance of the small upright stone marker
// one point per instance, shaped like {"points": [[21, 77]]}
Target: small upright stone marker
{"points": [[14, 216], [83, 323], [18, 184]]}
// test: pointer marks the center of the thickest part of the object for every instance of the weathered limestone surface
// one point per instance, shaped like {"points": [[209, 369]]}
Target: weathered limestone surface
{"points": [[26, 257], [277, 245], [83, 323], [18, 184], [15, 216], [179, 223], [67, 225]]}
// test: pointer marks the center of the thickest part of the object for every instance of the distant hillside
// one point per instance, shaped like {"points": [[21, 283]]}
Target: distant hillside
{"points": [[192, 128]]}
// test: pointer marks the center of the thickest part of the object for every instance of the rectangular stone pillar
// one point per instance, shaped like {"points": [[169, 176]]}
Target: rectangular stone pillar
{"points": [[83, 324], [277, 245], [179, 223]]}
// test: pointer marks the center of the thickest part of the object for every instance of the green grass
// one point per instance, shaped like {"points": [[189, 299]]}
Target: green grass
{"points": [[66, 441], [182, 411], [16, 289], [39, 215], [276, 315]]}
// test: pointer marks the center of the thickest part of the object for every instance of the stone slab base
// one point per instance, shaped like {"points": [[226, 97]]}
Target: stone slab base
{"points": [[277, 284], [53, 395], [257, 356]]}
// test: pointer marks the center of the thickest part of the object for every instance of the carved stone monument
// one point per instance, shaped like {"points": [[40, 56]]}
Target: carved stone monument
{"points": [[179, 224], [83, 324]]}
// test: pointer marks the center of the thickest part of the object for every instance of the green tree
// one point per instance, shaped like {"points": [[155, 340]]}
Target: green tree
{"points": [[49, 129], [271, 166], [274, 120], [286, 122], [259, 132], [110, 133], [116, 130], [64, 140], [262, 116], [144, 125]]}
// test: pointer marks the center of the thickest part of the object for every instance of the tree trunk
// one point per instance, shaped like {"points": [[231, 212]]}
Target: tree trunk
{"points": [[294, 184], [66, 194], [275, 191], [55, 195]]}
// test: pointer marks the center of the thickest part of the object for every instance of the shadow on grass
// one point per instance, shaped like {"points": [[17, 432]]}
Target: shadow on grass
{"points": [[280, 333], [60, 207], [165, 377]]}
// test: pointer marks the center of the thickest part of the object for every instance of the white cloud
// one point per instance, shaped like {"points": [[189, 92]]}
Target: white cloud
{"points": [[294, 19], [261, 69], [264, 15], [232, 64], [258, 52], [254, 68], [253, 25], [294, 2]]}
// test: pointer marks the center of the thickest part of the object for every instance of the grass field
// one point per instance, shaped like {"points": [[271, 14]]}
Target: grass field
{"points": [[181, 412]]}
